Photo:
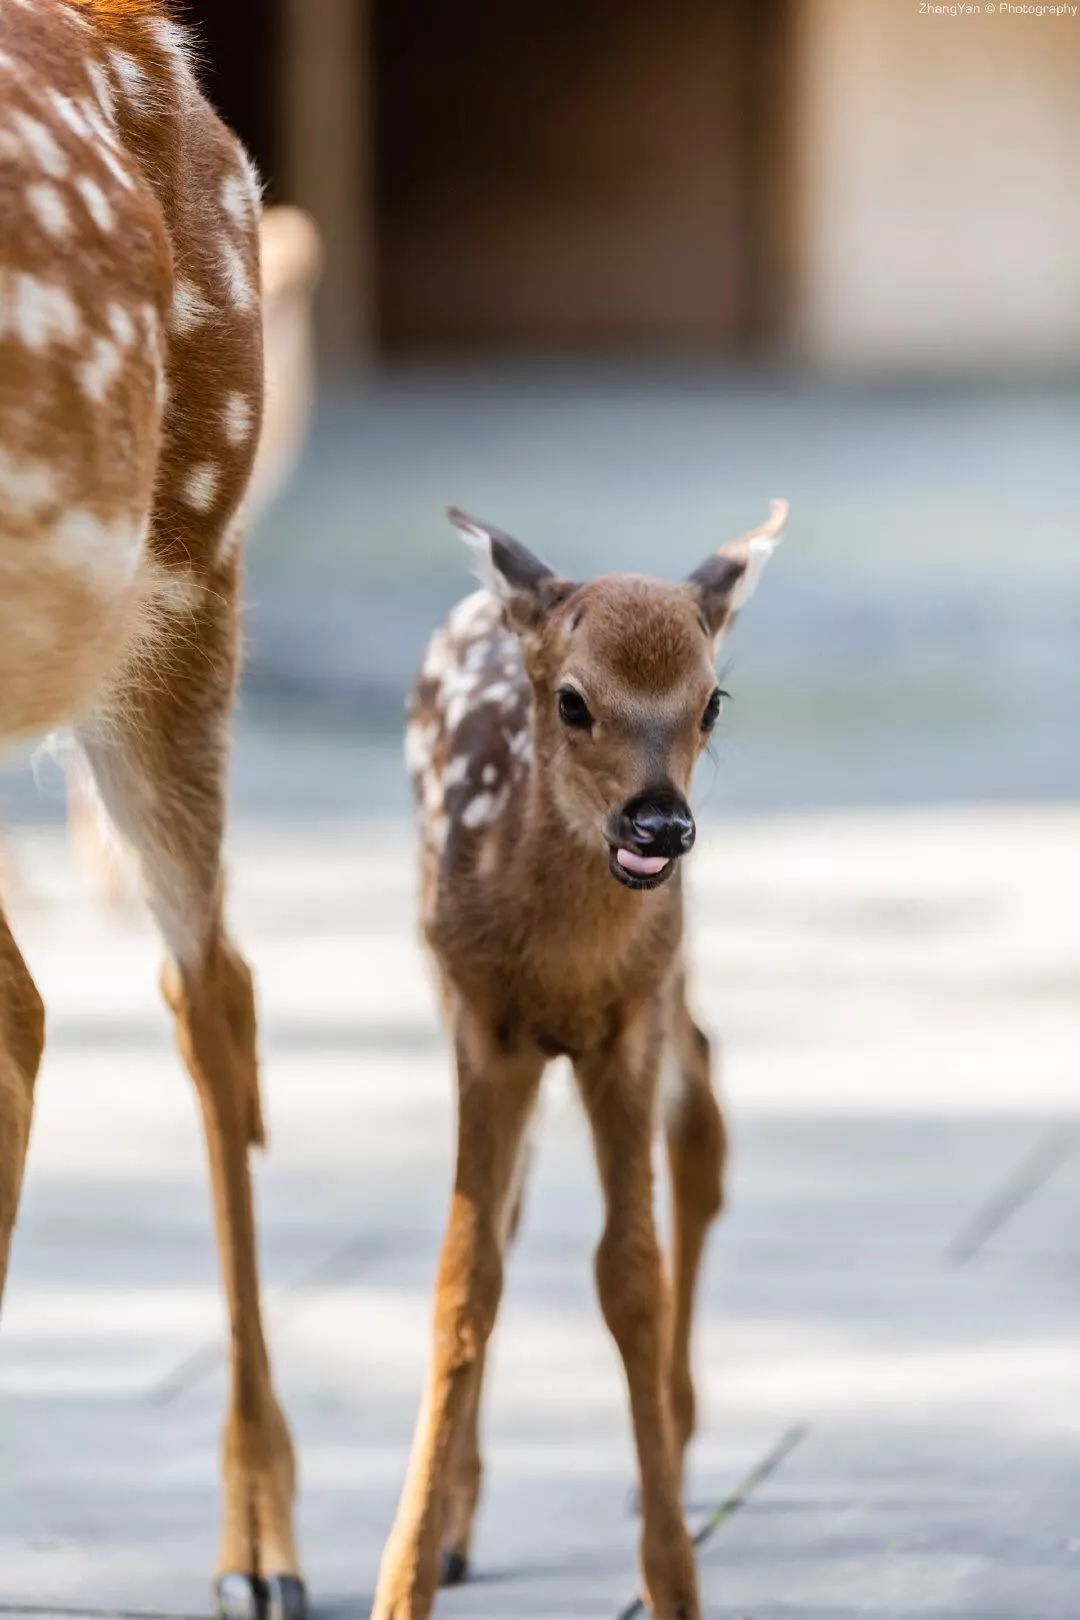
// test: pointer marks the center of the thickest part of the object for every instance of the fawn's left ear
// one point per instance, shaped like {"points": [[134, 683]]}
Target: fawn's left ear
{"points": [[527, 588], [726, 581]]}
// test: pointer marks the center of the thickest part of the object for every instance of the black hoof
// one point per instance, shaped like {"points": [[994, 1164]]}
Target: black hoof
{"points": [[244, 1597], [455, 1568], [236, 1597], [286, 1598]]}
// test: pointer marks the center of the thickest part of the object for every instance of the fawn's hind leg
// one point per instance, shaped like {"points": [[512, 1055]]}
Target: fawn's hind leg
{"points": [[22, 1038], [158, 755], [697, 1150]]}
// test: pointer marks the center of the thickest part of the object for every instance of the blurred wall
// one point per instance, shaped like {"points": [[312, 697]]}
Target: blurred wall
{"points": [[847, 181], [938, 212]]}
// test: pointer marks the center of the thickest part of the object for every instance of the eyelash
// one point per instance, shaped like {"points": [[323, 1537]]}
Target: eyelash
{"points": [[712, 709]]}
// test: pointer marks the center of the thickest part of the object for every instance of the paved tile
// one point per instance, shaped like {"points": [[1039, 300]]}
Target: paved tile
{"points": [[897, 995]]}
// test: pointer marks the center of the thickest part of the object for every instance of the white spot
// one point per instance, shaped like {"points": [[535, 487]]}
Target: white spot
{"points": [[151, 327], [237, 279], [108, 553], [97, 374], [42, 143], [102, 90], [489, 776], [233, 537], [456, 772], [437, 660], [189, 307], [6, 63], [115, 165], [239, 418], [251, 174], [518, 743], [121, 325], [98, 205], [135, 83], [236, 198], [172, 40], [420, 743], [495, 692], [49, 208], [69, 113], [26, 487], [478, 811], [472, 611], [105, 148], [37, 312], [201, 485]]}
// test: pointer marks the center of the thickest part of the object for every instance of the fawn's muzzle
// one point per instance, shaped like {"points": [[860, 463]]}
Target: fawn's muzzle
{"points": [[648, 835]]}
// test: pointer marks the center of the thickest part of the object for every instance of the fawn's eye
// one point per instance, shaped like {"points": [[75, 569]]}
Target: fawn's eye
{"points": [[573, 710], [712, 709]]}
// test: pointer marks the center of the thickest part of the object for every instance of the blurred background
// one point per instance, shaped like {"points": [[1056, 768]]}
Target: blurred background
{"points": [[613, 274]]}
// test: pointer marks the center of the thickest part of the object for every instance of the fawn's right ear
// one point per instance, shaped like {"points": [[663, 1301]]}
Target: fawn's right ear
{"points": [[527, 588]]}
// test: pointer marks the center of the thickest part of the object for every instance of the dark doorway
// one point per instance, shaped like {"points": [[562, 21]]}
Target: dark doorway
{"points": [[575, 175], [239, 49]]}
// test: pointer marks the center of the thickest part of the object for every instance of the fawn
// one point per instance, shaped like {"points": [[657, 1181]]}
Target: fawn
{"points": [[552, 738], [131, 392]]}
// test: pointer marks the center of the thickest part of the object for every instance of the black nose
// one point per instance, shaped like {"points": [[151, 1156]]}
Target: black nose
{"points": [[657, 822]]}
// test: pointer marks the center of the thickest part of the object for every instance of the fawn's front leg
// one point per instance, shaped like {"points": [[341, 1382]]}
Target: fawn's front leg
{"points": [[496, 1093], [619, 1086]]}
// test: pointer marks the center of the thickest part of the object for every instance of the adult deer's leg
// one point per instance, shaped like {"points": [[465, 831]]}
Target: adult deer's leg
{"points": [[22, 1038], [697, 1149], [619, 1087], [159, 757], [496, 1092]]}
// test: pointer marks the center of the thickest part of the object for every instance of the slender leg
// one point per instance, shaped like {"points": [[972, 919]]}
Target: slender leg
{"points": [[619, 1088], [158, 758], [22, 1039], [697, 1150], [465, 1474], [496, 1093], [466, 1471]]}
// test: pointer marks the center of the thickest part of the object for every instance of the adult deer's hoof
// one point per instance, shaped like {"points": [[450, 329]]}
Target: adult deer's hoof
{"points": [[455, 1569], [286, 1598], [236, 1597], [245, 1597]]}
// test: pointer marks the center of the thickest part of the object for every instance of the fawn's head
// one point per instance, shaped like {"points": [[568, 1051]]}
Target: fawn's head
{"points": [[624, 688]]}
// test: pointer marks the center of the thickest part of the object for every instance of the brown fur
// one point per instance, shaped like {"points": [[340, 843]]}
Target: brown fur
{"points": [[540, 951], [130, 400]]}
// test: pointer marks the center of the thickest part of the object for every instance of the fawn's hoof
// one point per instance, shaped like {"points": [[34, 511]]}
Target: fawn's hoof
{"points": [[246, 1597], [455, 1569]]}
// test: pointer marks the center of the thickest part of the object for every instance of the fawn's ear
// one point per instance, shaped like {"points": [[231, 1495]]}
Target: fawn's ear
{"points": [[726, 581], [527, 588]]}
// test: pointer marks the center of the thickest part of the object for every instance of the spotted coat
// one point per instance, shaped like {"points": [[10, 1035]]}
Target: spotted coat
{"points": [[130, 346], [468, 742]]}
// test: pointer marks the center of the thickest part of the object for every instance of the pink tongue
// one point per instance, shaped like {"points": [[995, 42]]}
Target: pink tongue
{"points": [[640, 865]]}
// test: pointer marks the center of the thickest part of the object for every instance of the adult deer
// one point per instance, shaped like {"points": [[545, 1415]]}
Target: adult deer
{"points": [[130, 404], [552, 740]]}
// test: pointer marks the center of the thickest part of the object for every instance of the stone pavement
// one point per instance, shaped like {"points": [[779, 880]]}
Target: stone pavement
{"points": [[894, 1296]]}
